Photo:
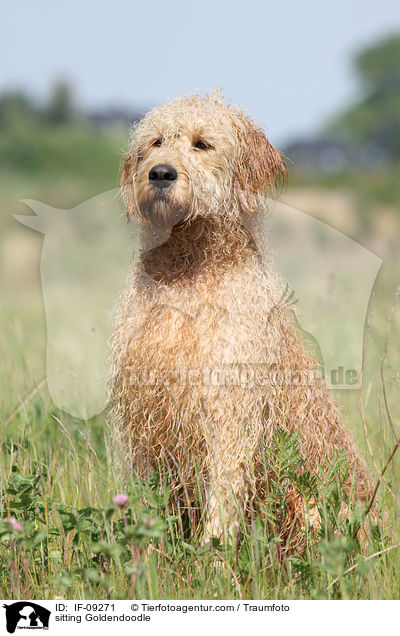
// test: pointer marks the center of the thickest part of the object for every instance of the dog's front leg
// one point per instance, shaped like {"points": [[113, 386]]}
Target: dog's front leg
{"points": [[225, 501], [227, 480]]}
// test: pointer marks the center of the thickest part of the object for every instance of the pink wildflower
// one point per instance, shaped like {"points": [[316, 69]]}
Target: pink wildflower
{"points": [[121, 500]]}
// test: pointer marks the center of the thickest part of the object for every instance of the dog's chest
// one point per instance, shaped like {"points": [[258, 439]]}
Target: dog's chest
{"points": [[204, 324]]}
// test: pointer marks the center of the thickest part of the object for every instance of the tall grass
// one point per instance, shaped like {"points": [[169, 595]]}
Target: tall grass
{"points": [[70, 540]]}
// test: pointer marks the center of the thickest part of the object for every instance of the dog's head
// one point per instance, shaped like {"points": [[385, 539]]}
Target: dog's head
{"points": [[196, 156]]}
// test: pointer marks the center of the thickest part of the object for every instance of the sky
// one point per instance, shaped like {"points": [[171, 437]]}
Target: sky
{"points": [[288, 63]]}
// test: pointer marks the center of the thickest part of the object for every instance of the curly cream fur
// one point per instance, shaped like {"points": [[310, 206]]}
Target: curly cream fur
{"points": [[203, 311]]}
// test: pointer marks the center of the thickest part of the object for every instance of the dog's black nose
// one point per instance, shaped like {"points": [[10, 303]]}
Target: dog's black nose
{"points": [[162, 175]]}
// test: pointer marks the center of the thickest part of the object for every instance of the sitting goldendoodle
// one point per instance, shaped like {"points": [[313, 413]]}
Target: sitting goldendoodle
{"points": [[206, 357]]}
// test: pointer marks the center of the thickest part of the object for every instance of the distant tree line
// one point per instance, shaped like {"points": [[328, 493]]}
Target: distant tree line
{"points": [[374, 120], [56, 137], [367, 134], [59, 109]]}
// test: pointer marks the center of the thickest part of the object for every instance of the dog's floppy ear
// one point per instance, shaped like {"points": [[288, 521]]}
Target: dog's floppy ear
{"points": [[129, 166], [260, 167]]}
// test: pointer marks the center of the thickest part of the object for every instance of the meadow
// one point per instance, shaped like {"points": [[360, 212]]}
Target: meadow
{"points": [[58, 475]]}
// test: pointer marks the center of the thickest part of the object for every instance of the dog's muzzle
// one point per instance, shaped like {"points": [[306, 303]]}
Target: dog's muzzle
{"points": [[158, 202]]}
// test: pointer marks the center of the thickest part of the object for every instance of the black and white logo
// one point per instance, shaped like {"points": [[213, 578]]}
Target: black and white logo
{"points": [[26, 615]]}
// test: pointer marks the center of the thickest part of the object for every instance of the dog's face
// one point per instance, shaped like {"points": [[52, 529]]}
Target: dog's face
{"points": [[197, 157]]}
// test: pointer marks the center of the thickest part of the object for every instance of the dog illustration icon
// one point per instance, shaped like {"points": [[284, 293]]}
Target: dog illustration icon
{"points": [[26, 615]]}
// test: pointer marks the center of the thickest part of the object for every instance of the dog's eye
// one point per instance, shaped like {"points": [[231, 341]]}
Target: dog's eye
{"points": [[200, 144], [157, 142]]}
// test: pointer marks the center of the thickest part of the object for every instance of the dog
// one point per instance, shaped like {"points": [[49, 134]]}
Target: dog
{"points": [[204, 307]]}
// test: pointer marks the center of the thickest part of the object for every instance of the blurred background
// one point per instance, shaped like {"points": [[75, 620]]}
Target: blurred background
{"points": [[324, 81]]}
